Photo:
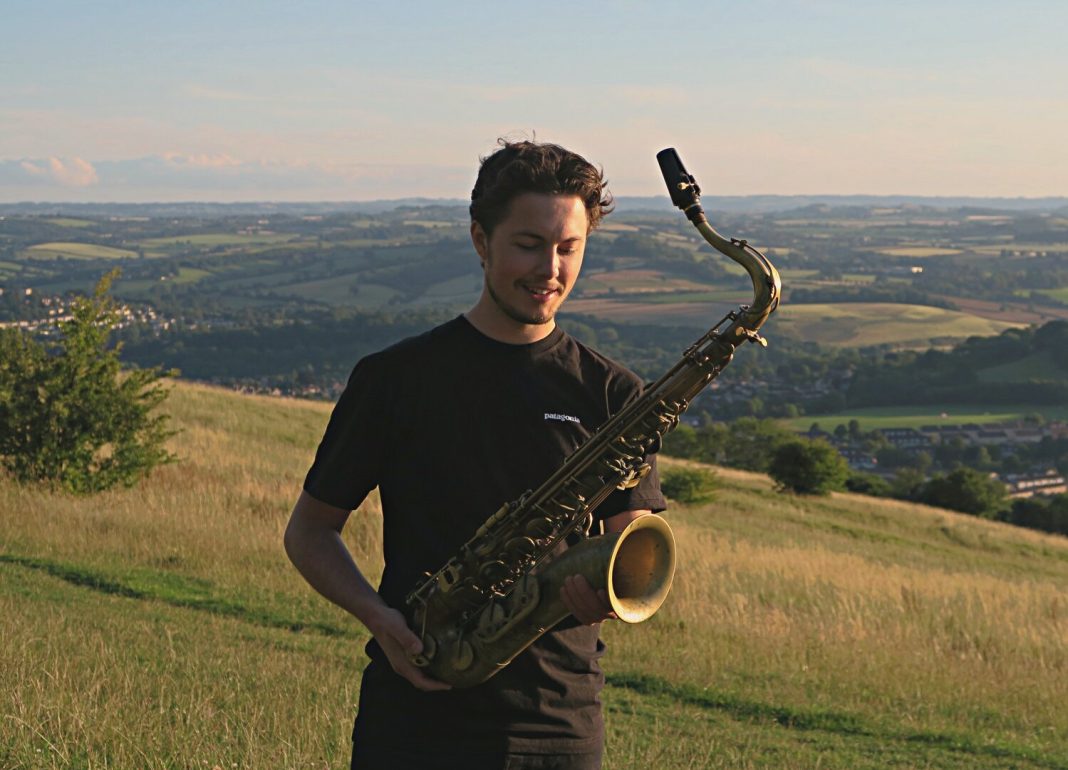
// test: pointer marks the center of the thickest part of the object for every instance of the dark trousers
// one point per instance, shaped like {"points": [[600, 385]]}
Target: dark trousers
{"points": [[410, 759]]}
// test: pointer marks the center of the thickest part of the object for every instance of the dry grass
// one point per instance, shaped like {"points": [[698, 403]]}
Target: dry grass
{"points": [[162, 626]]}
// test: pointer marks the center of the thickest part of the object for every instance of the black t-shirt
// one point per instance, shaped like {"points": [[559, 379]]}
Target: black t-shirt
{"points": [[449, 425]]}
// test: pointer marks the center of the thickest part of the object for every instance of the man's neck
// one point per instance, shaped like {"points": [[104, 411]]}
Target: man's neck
{"points": [[502, 329]]}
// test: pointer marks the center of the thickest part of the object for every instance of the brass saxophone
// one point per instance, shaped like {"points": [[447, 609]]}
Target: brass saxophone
{"points": [[502, 590]]}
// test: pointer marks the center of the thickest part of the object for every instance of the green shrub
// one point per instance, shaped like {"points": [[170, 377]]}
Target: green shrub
{"points": [[69, 415], [689, 485], [808, 467], [966, 490]]}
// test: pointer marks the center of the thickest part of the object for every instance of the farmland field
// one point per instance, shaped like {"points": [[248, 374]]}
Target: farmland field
{"points": [[919, 252], [76, 251], [162, 627], [871, 418], [1034, 367], [848, 324], [876, 323], [219, 239]]}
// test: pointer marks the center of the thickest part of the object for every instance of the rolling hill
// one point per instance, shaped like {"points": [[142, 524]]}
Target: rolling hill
{"points": [[162, 627]]}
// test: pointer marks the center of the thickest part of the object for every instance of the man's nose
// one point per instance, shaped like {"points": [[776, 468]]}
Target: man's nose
{"points": [[549, 264]]}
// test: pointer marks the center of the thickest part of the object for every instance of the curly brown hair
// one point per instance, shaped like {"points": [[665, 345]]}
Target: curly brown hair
{"points": [[522, 167]]}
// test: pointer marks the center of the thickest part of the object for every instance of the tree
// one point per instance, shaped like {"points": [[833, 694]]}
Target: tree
{"points": [[808, 467], [966, 490], [69, 415], [689, 485]]}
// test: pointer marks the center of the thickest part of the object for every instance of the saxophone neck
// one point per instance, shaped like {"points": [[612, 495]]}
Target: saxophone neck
{"points": [[767, 286], [686, 194]]}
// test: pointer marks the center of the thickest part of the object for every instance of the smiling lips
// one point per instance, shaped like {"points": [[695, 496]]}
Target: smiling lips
{"points": [[541, 293]]}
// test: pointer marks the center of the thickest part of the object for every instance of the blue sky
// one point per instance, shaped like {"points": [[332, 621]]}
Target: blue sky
{"points": [[357, 100]]}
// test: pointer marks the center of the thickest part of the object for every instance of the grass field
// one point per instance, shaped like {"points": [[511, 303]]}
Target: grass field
{"points": [[919, 252], [876, 323], [935, 414], [220, 239], [1038, 366], [847, 324], [1060, 294], [161, 627], [76, 251], [70, 222]]}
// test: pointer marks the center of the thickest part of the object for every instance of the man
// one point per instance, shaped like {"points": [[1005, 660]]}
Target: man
{"points": [[449, 425]]}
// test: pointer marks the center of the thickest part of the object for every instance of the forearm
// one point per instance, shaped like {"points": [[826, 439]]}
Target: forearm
{"points": [[321, 557]]}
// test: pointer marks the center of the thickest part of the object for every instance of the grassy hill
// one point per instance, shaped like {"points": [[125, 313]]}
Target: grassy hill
{"points": [[162, 627]]}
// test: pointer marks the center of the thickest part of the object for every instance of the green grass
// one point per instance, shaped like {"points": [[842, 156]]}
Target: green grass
{"points": [[70, 222], [919, 252], [847, 324], [1037, 366], [1060, 294], [858, 324], [220, 239], [162, 627], [76, 251], [872, 418]]}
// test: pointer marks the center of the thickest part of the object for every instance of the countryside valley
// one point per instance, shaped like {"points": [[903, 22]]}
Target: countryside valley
{"points": [[916, 335], [160, 625]]}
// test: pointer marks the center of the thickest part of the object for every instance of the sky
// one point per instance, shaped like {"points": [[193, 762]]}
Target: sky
{"points": [[114, 100]]}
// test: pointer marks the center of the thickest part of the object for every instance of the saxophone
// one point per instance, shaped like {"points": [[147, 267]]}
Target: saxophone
{"points": [[502, 590]]}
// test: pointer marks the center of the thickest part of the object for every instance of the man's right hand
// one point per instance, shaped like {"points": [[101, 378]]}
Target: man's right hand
{"points": [[400, 643]]}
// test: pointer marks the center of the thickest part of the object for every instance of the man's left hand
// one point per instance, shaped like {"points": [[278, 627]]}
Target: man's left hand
{"points": [[588, 606]]}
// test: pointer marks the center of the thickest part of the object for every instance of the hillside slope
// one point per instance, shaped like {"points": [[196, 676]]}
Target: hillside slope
{"points": [[162, 627]]}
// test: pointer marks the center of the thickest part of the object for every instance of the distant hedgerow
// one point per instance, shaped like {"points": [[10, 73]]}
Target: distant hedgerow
{"points": [[69, 415]]}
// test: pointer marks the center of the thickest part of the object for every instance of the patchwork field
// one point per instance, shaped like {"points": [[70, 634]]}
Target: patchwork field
{"points": [[875, 417], [76, 251], [876, 323], [161, 626], [847, 324]]}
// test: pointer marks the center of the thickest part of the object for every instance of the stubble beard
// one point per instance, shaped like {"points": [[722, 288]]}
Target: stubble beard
{"points": [[518, 316]]}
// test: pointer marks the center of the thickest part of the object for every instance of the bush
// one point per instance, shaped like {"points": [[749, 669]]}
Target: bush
{"points": [[966, 490], [689, 485], [868, 484], [808, 467], [69, 415]]}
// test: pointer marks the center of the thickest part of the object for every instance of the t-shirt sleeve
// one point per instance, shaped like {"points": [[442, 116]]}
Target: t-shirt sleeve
{"points": [[351, 455]]}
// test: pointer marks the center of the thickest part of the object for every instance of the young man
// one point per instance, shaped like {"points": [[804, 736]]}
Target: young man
{"points": [[449, 425]]}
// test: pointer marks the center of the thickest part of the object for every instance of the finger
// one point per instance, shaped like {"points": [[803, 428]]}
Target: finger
{"points": [[395, 628], [423, 682], [415, 675], [603, 596], [583, 602]]}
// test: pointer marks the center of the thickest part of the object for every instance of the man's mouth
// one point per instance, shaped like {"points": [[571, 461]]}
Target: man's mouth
{"points": [[541, 292]]}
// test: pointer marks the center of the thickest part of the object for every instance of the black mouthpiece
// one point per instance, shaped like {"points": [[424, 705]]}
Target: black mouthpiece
{"points": [[681, 186]]}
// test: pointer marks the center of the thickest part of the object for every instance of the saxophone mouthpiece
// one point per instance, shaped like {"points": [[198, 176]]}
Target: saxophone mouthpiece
{"points": [[683, 188]]}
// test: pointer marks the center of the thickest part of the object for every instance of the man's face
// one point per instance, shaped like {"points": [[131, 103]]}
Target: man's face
{"points": [[532, 259]]}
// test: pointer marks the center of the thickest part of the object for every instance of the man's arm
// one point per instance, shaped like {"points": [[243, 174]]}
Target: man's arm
{"points": [[314, 545], [587, 605]]}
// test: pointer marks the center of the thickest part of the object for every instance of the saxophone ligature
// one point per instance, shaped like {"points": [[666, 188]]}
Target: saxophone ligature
{"points": [[502, 590]]}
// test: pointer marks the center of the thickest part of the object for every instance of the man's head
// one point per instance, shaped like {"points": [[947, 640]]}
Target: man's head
{"points": [[522, 167], [532, 209]]}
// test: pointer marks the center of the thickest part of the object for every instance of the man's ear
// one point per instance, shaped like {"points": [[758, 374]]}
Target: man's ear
{"points": [[480, 241]]}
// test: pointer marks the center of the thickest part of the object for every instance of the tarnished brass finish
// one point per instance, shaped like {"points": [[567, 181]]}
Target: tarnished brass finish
{"points": [[501, 591]]}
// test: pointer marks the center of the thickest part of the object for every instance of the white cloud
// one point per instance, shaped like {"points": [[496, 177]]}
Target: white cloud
{"points": [[220, 160], [175, 176], [73, 172]]}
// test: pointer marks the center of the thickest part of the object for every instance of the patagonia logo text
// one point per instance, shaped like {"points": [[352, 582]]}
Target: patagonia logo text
{"points": [[562, 417]]}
